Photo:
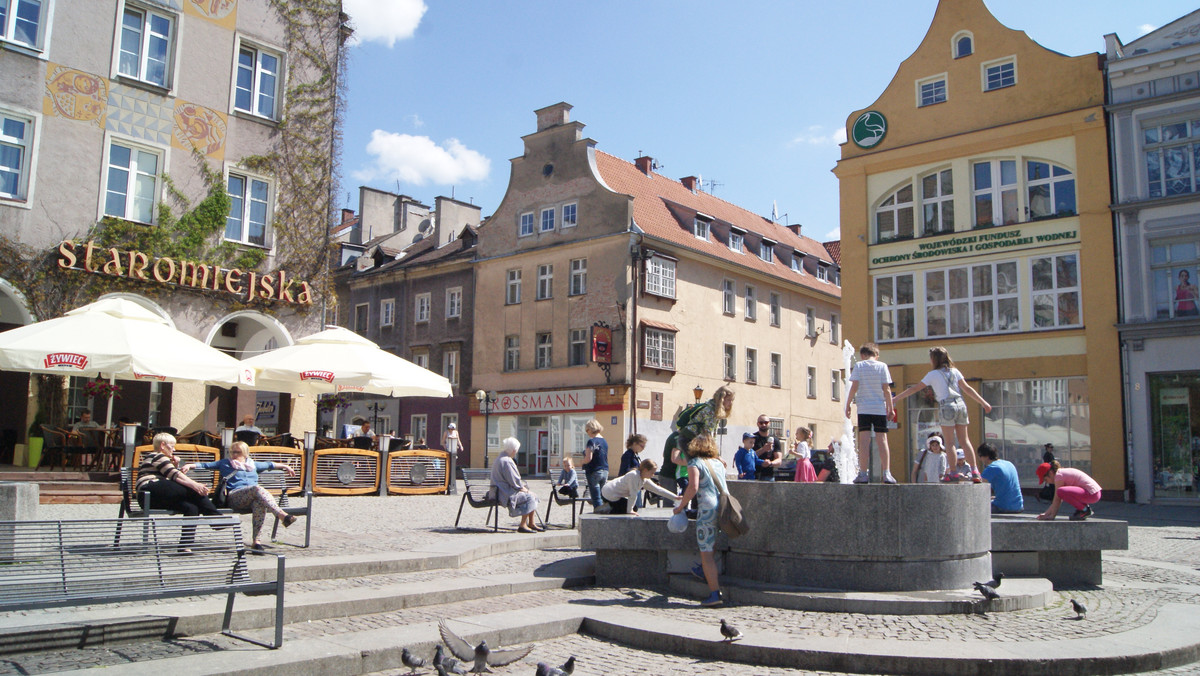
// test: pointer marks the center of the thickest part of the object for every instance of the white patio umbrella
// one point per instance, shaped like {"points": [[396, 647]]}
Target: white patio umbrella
{"points": [[339, 360], [117, 339]]}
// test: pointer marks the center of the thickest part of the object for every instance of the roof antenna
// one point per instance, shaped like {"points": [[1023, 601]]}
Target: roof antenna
{"points": [[711, 186]]}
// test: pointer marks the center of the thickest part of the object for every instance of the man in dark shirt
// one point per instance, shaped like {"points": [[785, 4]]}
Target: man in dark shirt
{"points": [[767, 449], [825, 466]]}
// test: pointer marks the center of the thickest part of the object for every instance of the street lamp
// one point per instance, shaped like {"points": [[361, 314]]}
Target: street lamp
{"points": [[129, 438], [698, 392], [486, 399]]}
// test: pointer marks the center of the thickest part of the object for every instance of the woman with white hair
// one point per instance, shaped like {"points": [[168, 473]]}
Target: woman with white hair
{"points": [[511, 491]]}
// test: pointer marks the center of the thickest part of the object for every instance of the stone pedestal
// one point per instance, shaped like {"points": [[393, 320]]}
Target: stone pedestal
{"points": [[18, 501]]}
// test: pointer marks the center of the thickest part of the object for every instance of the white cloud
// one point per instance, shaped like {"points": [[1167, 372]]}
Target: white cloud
{"points": [[384, 20], [418, 160], [1146, 28], [818, 135], [832, 235], [415, 120]]}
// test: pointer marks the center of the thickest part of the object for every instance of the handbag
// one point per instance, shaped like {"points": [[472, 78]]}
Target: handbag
{"points": [[729, 510], [916, 478]]}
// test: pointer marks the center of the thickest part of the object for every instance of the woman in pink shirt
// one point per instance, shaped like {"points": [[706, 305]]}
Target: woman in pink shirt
{"points": [[1075, 487]]}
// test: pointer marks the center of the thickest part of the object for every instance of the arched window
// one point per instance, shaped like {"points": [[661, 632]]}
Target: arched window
{"points": [[962, 44], [1051, 190], [894, 216]]}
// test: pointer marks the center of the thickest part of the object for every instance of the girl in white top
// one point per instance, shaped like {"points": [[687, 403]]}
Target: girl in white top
{"points": [[949, 385], [620, 494]]}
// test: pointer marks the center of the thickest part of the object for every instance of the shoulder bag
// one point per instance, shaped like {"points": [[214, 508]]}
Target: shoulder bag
{"points": [[729, 510], [916, 478]]}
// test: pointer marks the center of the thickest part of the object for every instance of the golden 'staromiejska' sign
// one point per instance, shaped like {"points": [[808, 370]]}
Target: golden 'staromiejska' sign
{"points": [[136, 265]]}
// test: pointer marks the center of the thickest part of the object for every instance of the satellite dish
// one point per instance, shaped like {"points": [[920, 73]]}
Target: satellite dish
{"points": [[426, 227]]}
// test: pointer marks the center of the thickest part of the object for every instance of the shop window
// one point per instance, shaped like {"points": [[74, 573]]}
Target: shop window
{"points": [[1175, 416], [1027, 414]]}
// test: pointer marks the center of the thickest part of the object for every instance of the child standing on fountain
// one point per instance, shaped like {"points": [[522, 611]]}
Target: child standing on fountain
{"points": [[871, 382]]}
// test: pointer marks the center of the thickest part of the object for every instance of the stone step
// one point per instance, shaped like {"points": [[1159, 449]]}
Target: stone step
{"points": [[105, 477]]}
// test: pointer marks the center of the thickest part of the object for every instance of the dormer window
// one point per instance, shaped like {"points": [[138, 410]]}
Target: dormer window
{"points": [[700, 227], [963, 44], [798, 262], [736, 241], [766, 250], [823, 271]]}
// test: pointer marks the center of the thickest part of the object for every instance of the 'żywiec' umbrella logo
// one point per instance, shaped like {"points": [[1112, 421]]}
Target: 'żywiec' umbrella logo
{"points": [[66, 360], [327, 376]]}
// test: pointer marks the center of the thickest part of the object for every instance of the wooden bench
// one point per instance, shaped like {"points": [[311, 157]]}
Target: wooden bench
{"points": [[477, 484], [558, 499], [54, 564], [275, 481]]}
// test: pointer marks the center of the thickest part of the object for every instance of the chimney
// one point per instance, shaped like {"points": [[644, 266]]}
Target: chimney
{"points": [[553, 116], [690, 182], [794, 227], [347, 215], [644, 164]]}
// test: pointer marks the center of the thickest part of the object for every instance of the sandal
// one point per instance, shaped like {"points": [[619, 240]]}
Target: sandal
{"points": [[289, 520]]}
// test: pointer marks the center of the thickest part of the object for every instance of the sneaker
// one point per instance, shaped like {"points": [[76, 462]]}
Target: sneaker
{"points": [[888, 478], [1081, 514], [950, 478], [975, 478], [714, 599], [863, 478], [698, 572]]}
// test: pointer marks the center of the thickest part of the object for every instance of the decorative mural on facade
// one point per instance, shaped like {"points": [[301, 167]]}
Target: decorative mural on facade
{"points": [[75, 95], [220, 12], [139, 113], [200, 128]]}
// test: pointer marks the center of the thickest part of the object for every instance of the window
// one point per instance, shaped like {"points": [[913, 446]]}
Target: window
{"points": [[729, 297], [812, 382], [834, 330], [751, 304], [931, 90], [1173, 267], [16, 143], [700, 228], [798, 262], [249, 204], [894, 312], [730, 362], [776, 369], [776, 310], [751, 365], [998, 75], [454, 302], [659, 349], [256, 90], [736, 242], [578, 276], [545, 282], [144, 52], [976, 299], [525, 226], [569, 215], [894, 216], [937, 203], [547, 220], [512, 293], [421, 308], [822, 271], [387, 312], [577, 352], [660, 277], [450, 366], [1051, 191], [1171, 151], [417, 428], [132, 185], [766, 250], [995, 192], [835, 385], [1028, 411], [512, 353], [964, 45], [362, 313], [22, 21], [544, 353], [449, 419], [1055, 283], [810, 322], [421, 358]]}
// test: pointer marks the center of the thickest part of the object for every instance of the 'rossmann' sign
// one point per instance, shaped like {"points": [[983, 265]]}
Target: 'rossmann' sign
{"points": [[542, 402]]}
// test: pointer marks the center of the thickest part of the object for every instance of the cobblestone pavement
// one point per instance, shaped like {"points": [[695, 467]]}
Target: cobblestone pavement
{"points": [[1162, 565]]}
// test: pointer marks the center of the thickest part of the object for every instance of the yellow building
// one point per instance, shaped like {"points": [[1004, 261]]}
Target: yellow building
{"points": [[975, 216]]}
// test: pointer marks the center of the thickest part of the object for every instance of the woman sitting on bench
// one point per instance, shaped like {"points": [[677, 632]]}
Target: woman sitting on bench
{"points": [[170, 488], [243, 493]]}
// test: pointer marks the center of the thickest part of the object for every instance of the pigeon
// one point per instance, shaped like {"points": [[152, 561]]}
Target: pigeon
{"points": [[544, 669], [987, 591], [729, 632], [995, 583], [444, 664], [411, 661], [568, 667], [1079, 608], [481, 655]]}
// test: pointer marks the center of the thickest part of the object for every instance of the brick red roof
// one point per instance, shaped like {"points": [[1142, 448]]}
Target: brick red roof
{"points": [[835, 250], [664, 208]]}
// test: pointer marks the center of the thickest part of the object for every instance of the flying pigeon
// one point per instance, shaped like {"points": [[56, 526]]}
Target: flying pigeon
{"points": [[995, 583], [729, 632], [987, 591], [481, 655], [411, 661], [1079, 608]]}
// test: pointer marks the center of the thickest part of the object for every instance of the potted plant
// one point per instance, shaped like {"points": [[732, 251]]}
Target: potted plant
{"points": [[34, 455]]}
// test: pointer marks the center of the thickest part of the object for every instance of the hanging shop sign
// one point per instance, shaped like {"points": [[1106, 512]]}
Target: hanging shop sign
{"points": [[869, 129], [138, 266]]}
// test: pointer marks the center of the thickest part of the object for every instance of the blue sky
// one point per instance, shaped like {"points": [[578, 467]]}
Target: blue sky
{"points": [[750, 95]]}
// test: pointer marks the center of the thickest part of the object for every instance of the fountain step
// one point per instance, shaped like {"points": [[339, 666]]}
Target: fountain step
{"points": [[1015, 594]]}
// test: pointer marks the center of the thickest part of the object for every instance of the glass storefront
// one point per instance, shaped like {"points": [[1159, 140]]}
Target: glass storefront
{"points": [[1175, 425], [545, 439], [1028, 414]]}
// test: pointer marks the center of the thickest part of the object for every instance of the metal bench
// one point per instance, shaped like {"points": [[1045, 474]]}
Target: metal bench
{"points": [[275, 481], [54, 564], [477, 484], [558, 499]]}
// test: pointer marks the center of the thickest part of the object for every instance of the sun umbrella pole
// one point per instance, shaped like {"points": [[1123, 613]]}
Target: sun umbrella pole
{"points": [[112, 383]]}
